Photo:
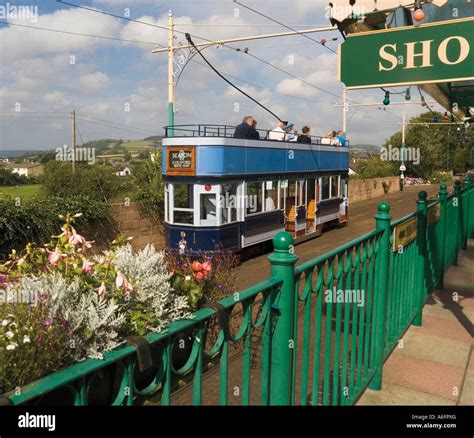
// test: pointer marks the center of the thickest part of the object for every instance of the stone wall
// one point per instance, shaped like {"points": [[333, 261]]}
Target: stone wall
{"points": [[133, 223], [363, 189]]}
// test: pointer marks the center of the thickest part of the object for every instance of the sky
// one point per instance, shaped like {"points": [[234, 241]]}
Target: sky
{"points": [[119, 88]]}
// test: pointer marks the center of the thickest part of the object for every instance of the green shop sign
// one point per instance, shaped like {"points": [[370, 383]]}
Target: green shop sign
{"points": [[430, 53]]}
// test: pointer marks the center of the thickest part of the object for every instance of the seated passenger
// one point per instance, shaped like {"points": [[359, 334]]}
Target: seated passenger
{"points": [[247, 130], [291, 132], [278, 133], [341, 137], [305, 137], [331, 139], [269, 204]]}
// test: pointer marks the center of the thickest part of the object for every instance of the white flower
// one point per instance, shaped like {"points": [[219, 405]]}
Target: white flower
{"points": [[26, 339], [10, 334], [5, 322], [187, 278], [11, 346]]}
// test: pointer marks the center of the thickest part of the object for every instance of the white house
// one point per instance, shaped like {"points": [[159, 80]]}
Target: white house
{"points": [[123, 171], [26, 169]]}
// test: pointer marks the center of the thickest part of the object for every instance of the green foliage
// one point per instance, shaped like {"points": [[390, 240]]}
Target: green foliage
{"points": [[8, 178], [149, 187], [375, 167], [442, 147], [94, 181], [37, 220]]}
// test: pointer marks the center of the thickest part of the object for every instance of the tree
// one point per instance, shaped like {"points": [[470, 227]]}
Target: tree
{"points": [[375, 167], [94, 181], [434, 143]]}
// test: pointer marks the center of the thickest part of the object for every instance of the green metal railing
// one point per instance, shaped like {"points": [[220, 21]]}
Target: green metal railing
{"points": [[313, 334]]}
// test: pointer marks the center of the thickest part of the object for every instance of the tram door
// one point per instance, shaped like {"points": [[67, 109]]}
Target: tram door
{"points": [[311, 205]]}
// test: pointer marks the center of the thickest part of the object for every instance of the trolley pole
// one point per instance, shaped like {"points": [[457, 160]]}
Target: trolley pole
{"points": [[171, 93]]}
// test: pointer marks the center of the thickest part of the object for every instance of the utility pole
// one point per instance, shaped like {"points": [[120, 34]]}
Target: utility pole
{"points": [[73, 141], [403, 167], [171, 90]]}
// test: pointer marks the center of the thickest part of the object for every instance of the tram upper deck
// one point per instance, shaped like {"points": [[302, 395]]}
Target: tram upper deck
{"points": [[212, 151]]}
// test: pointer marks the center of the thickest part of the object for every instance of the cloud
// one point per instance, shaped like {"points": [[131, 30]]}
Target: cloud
{"points": [[94, 82]]}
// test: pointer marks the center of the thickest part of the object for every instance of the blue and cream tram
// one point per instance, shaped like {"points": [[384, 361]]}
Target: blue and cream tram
{"points": [[230, 194]]}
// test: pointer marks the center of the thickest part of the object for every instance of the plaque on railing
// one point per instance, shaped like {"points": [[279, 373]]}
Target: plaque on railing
{"points": [[404, 233]]}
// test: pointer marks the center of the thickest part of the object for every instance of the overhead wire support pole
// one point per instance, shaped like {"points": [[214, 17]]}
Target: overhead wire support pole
{"points": [[248, 38], [171, 89]]}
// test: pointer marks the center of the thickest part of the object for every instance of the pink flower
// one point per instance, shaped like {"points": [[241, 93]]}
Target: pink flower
{"points": [[88, 267], [196, 266], [76, 239], [198, 276], [206, 267], [121, 281], [54, 257], [102, 290]]}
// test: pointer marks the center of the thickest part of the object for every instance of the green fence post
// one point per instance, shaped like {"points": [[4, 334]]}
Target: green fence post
{"points": [[471, 202], [383, 219], [443, 199], [469, 207], [460, 227], [468, 210], [422, 209], [283, 342]]}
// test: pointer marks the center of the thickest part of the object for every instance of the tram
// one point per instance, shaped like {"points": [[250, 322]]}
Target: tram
{"points": [[224, 193]]}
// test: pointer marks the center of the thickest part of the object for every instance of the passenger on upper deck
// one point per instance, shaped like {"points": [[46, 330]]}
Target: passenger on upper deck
{"points": [[342, 139], [305, 137], [278, 133], [331, 139], [247, 129]]}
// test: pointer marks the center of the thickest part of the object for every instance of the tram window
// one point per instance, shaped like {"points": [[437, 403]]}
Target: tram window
{"points": [[283, 193], [342, 187], [325, 188], [183, 217], [271, 195], [254, 198], [183, 196], [334, 186], [229, 203], [208, 210]]}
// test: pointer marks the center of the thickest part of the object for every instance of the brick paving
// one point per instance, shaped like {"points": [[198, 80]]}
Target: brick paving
{"points": [[435, 365]]}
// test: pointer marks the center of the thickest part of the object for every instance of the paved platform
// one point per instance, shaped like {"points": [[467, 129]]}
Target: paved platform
{"points": [[434, 365]]}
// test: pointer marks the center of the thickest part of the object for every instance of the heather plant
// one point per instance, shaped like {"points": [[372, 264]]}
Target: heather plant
{"points": [[33, 342]]}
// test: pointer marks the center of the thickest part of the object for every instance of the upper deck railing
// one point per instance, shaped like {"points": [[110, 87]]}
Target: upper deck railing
{"points": [[227, 131]]}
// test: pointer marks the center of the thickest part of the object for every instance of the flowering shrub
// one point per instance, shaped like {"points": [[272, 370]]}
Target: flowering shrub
{"points": [[77, 305], [212, 277]]}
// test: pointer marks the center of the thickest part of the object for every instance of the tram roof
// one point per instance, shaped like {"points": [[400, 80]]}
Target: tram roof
{"points": [[215, 153]]}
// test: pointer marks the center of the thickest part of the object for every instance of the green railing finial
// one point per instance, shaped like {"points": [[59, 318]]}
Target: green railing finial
{"points": [[422, 196], [283, 242]]}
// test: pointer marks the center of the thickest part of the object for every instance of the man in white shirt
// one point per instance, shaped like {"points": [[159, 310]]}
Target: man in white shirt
{"points": [[278, 133]]}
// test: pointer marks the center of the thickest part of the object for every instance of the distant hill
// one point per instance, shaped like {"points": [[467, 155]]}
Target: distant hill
{"points": [[363, 150]]}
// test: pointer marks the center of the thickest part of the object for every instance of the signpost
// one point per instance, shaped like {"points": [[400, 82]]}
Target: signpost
{"points": [[431, 53]]}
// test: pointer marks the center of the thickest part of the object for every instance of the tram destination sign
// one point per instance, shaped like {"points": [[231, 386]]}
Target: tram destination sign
{"points": [[430, 53], [181, 161]]}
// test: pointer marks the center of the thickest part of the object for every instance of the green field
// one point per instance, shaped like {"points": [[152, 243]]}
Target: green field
{"points": [[138, 145], [22, 192]]}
